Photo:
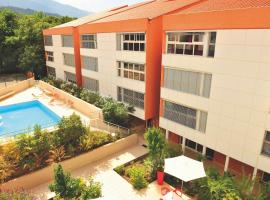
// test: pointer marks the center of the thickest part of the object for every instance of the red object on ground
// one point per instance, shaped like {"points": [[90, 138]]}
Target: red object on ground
{"points": [[165, 190], [160, 177]]}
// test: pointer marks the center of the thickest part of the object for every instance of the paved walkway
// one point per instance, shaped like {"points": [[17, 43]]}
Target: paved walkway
{"points": [[114, 187]]}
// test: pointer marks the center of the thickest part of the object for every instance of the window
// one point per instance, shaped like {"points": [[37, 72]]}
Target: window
{"points": [[90, 63], [266, 144], [266, 177], [89, 41], [70, 77], [212, 44], [185, 43], [131, 70], [191, 43], [130, 97], [49, 56], [91, 84], [51, 71], [67, 41], [193, 145], [48, 41], [196, 83], [69, 59], [189, 117], [130, 42]]}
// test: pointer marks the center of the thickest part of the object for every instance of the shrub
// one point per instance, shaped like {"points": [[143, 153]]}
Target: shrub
{"points": [[115, 112], [120, 170], [15, 195], [33, 149], [70, 129], [73, 188], [89, 96], [57, 155], [173, 150], [64, 185], [92, 191], [94, 139], [137, 177], [6, 169]]}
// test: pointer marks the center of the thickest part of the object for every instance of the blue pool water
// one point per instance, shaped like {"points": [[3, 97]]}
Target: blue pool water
{"points": [[22, 117]]}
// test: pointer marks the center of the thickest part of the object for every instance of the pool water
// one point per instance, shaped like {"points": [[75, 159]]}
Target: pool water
{"points": [[22, 117]]}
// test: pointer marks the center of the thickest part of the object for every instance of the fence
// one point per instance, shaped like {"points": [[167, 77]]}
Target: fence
{"points": [[7, 80], [109, 127], [18, 87]]}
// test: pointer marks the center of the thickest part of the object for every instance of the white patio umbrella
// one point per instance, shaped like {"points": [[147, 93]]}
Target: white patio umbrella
{"points": [[184, 168]]}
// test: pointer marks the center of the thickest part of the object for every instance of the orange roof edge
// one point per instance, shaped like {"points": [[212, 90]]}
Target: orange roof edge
{"points": [[117, 8]]}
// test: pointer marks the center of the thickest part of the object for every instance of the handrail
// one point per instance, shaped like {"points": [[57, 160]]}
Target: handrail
{"points": [[112, 128], [16, 80]]}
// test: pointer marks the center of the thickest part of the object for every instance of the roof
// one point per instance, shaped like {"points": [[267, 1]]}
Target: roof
{"points": [[155, 8], [143, 10], [149, 10], [97, 16], [223, 5]]}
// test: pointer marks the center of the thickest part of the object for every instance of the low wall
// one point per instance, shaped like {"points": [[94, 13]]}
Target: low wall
{"points": [[46, 174], [18, 87], [80, 105]]}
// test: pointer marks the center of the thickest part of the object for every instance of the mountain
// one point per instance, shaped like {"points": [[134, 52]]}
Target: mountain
{"points": [[47, 6], [24, 11]]}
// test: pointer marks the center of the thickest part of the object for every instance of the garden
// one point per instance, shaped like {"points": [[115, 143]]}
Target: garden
{"points": [[215, 186], [30, 152], [113, 111]]}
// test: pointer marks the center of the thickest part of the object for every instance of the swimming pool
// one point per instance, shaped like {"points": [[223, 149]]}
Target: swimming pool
{"points": [[22, 117]]}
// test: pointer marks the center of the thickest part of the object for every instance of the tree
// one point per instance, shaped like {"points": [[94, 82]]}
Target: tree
{"points": [[67, 187], [156, 144], [70, 129], [115, 112], [21, 41], [64, 185]]}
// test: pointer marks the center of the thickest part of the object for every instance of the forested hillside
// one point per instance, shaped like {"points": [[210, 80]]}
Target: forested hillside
{"points": [[24, 10], [21, 41]]}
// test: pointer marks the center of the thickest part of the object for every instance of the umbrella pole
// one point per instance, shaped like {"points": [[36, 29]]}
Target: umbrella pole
{"points": [[182, 188]]}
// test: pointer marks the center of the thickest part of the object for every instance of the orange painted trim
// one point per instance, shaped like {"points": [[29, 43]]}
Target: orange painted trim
{"points": [[134, 25], [77, 56], [161, 109], [58, 31], [253, 18], [164, 46], [153, 68], [162, 77]]}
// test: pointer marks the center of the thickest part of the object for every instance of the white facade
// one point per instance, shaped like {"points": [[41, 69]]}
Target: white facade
{"points": [[239, 104], [58, 62]]}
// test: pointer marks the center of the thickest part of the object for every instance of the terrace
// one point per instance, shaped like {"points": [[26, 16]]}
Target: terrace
{"points": [[99, 160]]}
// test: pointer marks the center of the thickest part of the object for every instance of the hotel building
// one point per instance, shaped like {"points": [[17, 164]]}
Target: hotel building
{"points": [[199, 68]]}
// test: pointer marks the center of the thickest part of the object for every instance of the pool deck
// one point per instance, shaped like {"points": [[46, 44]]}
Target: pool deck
{"points": [[35, 93]]}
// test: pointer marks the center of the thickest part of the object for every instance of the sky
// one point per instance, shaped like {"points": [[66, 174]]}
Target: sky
{"points": [[98, 5]]}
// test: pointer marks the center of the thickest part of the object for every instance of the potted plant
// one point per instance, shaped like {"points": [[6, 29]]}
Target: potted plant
{"points": [[160, 171], [156, 144]]}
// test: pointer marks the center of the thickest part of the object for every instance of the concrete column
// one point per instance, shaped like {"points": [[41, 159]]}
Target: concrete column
{"points": [[167, 134], [226, 163], [204, 151], [183, 144], [254, 173]]}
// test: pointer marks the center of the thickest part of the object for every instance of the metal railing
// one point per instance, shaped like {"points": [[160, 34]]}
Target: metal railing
{"points": [[11, 79], [109, 127]]}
